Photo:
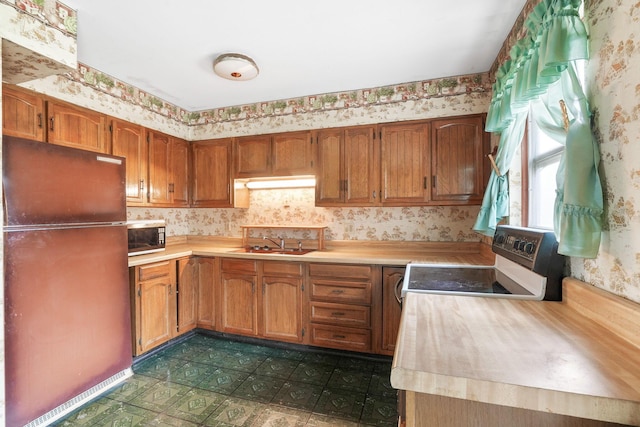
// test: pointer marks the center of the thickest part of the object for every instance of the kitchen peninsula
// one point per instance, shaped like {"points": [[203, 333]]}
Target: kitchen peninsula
{"points": [[490, 361]]}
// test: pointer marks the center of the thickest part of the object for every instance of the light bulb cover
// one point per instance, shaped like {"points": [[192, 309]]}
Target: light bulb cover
{"points": [[235, 66]]}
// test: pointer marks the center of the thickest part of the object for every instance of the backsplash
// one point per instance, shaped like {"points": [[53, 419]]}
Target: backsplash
{"points": [[297, 207]]}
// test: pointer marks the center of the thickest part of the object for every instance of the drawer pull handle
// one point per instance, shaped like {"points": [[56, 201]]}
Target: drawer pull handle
{"points": [[339, 336], [338, 313], [337, 291]]}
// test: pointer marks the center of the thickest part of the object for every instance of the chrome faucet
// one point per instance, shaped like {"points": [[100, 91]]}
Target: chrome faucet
{"points": [[280, 245]]}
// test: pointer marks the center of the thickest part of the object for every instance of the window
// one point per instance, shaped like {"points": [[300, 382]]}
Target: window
{"points": [[543, 159]]}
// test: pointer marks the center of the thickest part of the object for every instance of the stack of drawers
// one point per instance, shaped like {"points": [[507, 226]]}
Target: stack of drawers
{"points": [[340, 306]]}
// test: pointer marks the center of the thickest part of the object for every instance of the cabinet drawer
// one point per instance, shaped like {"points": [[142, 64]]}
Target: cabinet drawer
{"points": [[340, 337], [341, 314], [241, 265], [346, 271], [152, 271], [277, 268], [339, 291]]}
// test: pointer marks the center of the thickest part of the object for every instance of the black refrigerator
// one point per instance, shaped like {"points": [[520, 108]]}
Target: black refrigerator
{"points": [[67, 303]]}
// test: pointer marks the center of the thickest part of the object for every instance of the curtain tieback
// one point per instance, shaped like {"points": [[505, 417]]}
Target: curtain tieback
{"points": [[493, 164], [565, 116]]}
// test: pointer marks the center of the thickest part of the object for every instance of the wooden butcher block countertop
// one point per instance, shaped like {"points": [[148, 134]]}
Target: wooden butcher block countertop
{"points": [[579, 357], [344, 252]]}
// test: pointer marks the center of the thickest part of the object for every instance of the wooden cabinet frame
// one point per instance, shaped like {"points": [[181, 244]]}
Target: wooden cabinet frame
{"points": [[286, 154]]}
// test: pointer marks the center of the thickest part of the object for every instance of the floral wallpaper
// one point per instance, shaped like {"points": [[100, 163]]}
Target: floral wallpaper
{"points": [[51, 12], [613, 84], [297, 206]]}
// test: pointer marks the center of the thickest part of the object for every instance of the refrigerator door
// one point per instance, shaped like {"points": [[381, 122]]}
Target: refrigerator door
{"points": [[67, 315], [47, 184]]}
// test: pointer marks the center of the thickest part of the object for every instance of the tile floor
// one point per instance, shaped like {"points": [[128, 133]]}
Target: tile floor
{"points": [[210, 381]]}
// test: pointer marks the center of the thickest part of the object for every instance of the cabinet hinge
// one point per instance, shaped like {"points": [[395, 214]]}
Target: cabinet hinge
{"points": [[303, 332], [374, 134], [140, 342], [139, 292], [433, 181], [302, 287], [148, 139], [111, 128]]}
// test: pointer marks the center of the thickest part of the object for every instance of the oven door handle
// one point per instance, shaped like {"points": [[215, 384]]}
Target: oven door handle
{"points": [[397, 291]]}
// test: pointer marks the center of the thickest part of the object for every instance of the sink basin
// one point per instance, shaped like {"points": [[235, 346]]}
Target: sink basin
{"points": [[286, 251]]}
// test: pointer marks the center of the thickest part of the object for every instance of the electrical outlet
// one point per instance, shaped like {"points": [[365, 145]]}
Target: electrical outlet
{"points": [[348, 227]]}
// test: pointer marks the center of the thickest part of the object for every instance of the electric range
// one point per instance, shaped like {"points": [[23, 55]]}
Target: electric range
{"points": [[527, 266]]}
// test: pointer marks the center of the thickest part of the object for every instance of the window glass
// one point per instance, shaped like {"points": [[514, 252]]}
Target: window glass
{"points": [[544, 158]]}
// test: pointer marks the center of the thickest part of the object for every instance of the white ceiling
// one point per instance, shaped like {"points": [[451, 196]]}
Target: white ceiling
{"points": [[167, 47]]}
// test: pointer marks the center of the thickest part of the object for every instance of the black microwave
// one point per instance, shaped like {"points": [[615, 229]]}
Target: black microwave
{"points": [[146, 236]]}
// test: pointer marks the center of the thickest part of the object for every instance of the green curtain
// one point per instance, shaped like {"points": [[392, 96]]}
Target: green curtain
{"points": [[539, 72]]}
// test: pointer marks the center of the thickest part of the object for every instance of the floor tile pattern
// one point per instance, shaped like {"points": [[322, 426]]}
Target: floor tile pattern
{"points": [[211, 381]]}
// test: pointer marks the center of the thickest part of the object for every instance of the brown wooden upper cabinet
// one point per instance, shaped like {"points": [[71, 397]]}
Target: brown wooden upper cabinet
{"points": [[286, 154], [405, 163], [458, 148], [128, 141], [168, 170], [212, 184], [76, 127], [348, 167], [23, 114]]}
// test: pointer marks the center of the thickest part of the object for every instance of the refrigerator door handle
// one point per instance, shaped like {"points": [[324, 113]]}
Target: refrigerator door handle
{"points": [[41, 227]]}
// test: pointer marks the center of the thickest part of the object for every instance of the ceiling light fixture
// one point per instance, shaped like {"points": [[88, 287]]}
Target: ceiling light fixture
{"points": [[235, 66]]}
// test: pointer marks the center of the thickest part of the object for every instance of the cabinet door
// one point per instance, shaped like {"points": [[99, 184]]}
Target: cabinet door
{"points": [[187, 294], [252, 156], [128, 141], [238, 300], [329, 175], [282, 308], [179, 172], [405, 164], [458, 145], [22, 114], [361, 167], [211, 186], [206, 292], [292, 154], [391, 309], [159, 168], [76, 127], [156, 313]]}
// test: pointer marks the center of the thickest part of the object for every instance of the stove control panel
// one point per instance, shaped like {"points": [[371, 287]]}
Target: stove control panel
{"points": [[526, 246]]}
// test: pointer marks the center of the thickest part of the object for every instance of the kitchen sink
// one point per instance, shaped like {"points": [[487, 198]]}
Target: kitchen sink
{"points": [[268, 250]]}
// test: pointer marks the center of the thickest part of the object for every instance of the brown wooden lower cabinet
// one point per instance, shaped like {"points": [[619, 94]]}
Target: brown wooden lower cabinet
{"points": [[238, 298], [391, 308], [336, 306], [262, 299], [426, 410], [153, 288], [187, 298], [207, 300], [167, 300], [341, 300]]}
